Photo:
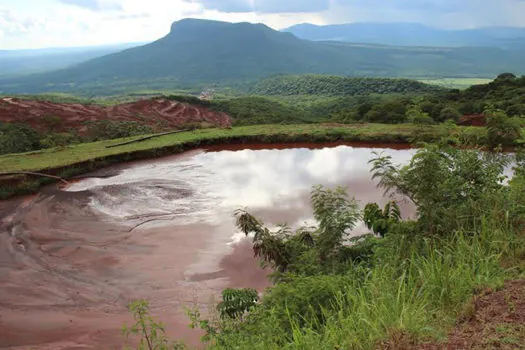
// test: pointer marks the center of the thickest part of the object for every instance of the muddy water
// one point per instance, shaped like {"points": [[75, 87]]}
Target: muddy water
{"points": [[72, 259]]}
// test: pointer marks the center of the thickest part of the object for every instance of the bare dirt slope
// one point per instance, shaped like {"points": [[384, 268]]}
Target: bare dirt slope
{"points": [[156, 112], [497, 321]]}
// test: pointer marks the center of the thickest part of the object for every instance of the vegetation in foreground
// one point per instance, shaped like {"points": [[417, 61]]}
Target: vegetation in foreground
{"points": [[401, 286]]}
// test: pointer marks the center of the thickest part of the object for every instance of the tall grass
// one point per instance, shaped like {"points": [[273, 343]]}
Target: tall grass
{"points": [[415, 292]]}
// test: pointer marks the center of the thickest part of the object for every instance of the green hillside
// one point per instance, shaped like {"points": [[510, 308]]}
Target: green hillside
{"points": [[310, 84], [219, 54]]}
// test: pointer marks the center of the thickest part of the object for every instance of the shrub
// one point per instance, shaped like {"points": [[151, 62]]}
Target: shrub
{"points": [[449, 113], [107, 129], [501, 130], [58, 140], [18, 138]]}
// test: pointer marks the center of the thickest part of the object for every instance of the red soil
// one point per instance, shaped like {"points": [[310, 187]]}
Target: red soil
{"points": [[473, 120], [496, 321], [153, 112]]}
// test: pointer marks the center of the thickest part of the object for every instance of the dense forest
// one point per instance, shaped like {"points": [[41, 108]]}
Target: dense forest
{"points": [[355, 100], [286, 85], [505, 93]]}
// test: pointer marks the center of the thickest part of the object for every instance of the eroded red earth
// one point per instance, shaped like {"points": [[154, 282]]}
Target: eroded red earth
{"points": [[152, 112]]}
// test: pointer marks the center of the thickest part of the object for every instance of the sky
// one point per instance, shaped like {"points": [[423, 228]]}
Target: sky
{"points": [[30, 24]]}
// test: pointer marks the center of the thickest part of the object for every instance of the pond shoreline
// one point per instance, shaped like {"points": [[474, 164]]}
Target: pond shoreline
{"points": [[85, 158]]}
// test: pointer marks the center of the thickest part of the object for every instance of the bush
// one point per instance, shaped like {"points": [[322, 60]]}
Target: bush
{"points": [[502, 130], [107, 129], [18, 138], [59, 140], [391, 112], [415, 115], [449, 113]]}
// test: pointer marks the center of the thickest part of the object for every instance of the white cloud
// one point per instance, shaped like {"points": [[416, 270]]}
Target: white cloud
{"points": [[45, 23], [264, 6], [438, 13], [95, 5]]}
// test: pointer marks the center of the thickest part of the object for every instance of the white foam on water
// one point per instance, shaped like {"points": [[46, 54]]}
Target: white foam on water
{"points": [[206, 188]]}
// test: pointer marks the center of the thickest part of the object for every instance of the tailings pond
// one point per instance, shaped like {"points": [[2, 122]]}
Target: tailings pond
{"points": [[71, 259]]}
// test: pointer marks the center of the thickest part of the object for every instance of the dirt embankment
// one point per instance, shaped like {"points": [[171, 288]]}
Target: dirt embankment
{"points": [[60, 117], [493, 320]]}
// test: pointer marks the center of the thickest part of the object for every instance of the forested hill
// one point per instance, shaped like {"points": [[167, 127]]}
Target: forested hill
{"points": [[211, 53], [330, 85]]}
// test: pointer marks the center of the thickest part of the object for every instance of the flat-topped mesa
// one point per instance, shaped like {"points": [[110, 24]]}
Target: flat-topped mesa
{"points": [[191, 24]]}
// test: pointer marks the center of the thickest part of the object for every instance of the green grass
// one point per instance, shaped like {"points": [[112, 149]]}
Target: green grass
{"points": [[415, 294], [74, 154], [78, 159]]}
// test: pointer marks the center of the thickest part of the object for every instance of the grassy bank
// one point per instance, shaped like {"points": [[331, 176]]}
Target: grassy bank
{"points": [[77, 159]]}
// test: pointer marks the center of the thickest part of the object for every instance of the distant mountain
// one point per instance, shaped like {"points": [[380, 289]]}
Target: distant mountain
{"points": [[410, 34], [218, 54], [13, 62]]}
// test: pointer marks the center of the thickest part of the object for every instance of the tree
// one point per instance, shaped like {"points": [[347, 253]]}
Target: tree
{"points": [[415, 115], [391, 112], [381, 221], [444, 184], [151, 333], [336, 214], [505, 77], [501, 129], [449, 113], [237, 302], [18, 138], [516, 110]]}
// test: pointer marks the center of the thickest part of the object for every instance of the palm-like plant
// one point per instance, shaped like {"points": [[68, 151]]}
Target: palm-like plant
{"points": [[380, 221]]}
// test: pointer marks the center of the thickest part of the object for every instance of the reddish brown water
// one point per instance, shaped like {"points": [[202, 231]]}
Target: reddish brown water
{"points": [[71, 260]]}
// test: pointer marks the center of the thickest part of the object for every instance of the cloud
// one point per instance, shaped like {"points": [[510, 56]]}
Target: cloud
{"points": [[54, 23], [230, 6], [438, 13], [408, 5], [94, 5], [291, 6], [13, 24], [265, 6], [129, 16]]}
